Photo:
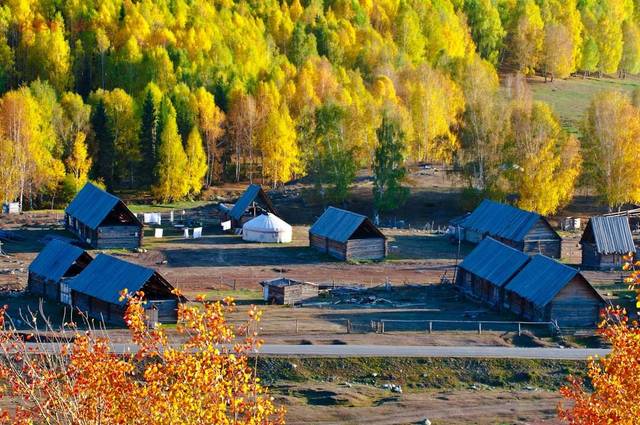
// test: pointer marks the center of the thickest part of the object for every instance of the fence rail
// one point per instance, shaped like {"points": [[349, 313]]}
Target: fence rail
{"points": [[385, 325]]}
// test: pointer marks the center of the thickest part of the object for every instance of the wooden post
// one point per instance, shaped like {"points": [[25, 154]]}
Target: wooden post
{"points": [[348, 326], [296, 326], [479, 328], [519, 329], [234, 284], [430, 326], [382, 326]]}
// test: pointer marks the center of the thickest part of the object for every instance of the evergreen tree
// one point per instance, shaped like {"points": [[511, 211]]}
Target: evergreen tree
{"points": [[149, 138], [104, 140], [388, 167]]}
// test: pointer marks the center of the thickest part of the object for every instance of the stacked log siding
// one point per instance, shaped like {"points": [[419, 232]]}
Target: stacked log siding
{"points": [[605, 241], [347, 236], [288, 291], [102, 220]]}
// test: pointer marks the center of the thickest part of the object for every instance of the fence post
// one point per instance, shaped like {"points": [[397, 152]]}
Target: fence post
{"points": [[296, 326], [234, 284], [348, 326], [479, 328], [382, 326], [430, 326], [519, 329]]}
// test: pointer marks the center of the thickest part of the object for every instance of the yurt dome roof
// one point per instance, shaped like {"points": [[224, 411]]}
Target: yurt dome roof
{"points": [[267, 223]]}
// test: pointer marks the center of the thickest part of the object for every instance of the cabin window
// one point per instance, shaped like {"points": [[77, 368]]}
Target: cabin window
{"points": [[65, 294]]}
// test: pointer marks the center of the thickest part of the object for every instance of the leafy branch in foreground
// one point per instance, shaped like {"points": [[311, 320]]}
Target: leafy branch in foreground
{"points": [[206, 379]]}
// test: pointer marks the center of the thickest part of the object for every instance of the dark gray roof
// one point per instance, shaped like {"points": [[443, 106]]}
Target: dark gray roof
{"points": [[250, 194], [494, 261], [541, 280], [283, 281], [106, 276], [612, 234], [92, 205], [55, 259], [338, 225], [501, 220]]}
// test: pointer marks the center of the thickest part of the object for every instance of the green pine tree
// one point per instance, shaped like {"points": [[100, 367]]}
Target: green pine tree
{"points": [[388, 167]]}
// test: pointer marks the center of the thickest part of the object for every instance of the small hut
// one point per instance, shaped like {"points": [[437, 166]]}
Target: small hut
{"points": [[525, 231], [253, 202], [288, 291], [487, 269], [102, 220], [56, 261], [267, 228], [347, 236], [605, 241], [96, 291], [547, 290]]}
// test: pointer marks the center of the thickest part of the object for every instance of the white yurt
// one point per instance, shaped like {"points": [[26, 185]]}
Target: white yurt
{"points": [[267, 228]]}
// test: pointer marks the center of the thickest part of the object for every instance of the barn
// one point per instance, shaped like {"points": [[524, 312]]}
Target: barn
{"points": [[96, 290], [525, 231], [56, 261], [253, 202], [288, 291], [547, 290], [487, 269], [605, 241], [102, 220], [347, 236]]}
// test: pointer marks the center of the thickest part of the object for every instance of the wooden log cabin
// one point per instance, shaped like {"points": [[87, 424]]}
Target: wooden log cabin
{"points": [[547, 290], [347, 236], [605, 241], [96, 291], [288, 291], [487, 269], [57, 260], [525, 231], [253, 202], [102, 220]]}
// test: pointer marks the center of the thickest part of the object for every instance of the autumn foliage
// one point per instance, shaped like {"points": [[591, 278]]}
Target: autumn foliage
{"points": [[206, 379], [612, 393]]}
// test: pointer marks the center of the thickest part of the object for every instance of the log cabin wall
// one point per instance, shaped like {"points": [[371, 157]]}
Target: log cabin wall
{"points": [[366, 249], [118, 237], [576, 305]]}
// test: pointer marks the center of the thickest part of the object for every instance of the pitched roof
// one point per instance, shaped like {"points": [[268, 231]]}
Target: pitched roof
{"points": [[612, 234], [494, 261], [55, 259], [339, 225], [283, 281], [501, 220], [541, 280], [250, 194], [92, 205], [106, 276]]}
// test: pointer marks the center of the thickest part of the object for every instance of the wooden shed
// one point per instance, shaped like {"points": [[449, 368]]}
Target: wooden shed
{"points": [[253, 202], [347, 236], [605, 241], [288, 291], [525, 231], [547, 290], [487, 269], [96, 290], [102, 220], [56, 261]]}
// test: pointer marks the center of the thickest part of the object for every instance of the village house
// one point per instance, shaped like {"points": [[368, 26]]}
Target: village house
{"points": [[347, 236], [605, 241], [525, 231], [487, 269], [96, 291], [102, 220], [547, 290], [253, 202], [57, 260], [288, 291]]}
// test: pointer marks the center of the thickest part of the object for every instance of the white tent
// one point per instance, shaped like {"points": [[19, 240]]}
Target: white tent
{"points": [[267, 228]]}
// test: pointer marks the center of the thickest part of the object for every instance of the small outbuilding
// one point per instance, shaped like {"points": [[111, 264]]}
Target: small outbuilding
{"points": [[487, 269], [288, 291], [347, 236], [605, 241], [253, 202], [267, 228], [547, 290], [102, 220], [96, 291], [525, 231], [56, 261]]}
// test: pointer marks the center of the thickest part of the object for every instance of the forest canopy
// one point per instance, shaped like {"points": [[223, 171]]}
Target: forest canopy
{"points": [[177, 95]]}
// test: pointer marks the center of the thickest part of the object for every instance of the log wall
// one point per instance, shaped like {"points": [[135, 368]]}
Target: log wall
{"points": [[576, 305], [366, 249], [109, 237]]}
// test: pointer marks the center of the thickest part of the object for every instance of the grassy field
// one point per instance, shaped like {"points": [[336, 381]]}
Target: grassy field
{"points": [[570, 98]]}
